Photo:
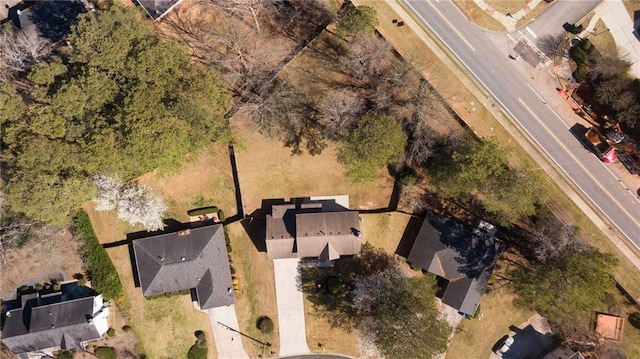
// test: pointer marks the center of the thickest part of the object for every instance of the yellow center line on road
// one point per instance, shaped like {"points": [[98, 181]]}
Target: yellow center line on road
{"points": [[575, 160], [451, 25]]}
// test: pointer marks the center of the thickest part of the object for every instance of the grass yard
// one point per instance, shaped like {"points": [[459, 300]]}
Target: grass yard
{"points": [[257, 290], [602, 39], [506, 6], [333, 340], [268, 170], [384, 230], [474, 338], [478, 16]]}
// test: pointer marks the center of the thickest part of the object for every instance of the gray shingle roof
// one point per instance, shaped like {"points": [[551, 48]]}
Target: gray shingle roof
{"points": [[65, 324], [451, 250], [320, 229], [158, 8], [196, 258]]}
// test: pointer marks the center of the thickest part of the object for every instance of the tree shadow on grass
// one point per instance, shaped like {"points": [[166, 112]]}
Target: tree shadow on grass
{"points": [[336, 305]]}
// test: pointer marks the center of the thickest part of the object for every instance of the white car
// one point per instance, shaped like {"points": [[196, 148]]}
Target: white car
{"points": [[505, 347]]}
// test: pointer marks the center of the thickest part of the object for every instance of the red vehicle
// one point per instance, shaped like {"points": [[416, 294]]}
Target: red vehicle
{"points": [[605, 152]]}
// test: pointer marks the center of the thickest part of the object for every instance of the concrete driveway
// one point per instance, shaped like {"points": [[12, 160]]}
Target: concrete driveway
{"points": [[293, 339], [228, 342]]}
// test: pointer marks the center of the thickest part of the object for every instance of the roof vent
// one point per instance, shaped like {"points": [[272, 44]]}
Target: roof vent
{"points": [[161, 258], [184, 233], [183, 259], [49, 313], [53, 326], [8, 314]]}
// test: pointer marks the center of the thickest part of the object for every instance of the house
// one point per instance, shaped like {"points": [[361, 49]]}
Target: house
{"points": [[320, 227], [157, 9], [462, 258], [65, 319], [193, 259]]}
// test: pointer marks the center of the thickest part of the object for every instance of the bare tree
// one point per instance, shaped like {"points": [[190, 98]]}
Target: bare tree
{"points": [[604, 67], [552, 238], [21, 50], [552, 45], [253, 8], [339, 111]]}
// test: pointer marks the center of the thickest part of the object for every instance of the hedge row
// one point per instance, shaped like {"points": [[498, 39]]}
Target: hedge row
{"points": [[202, 211], [101, 271]]}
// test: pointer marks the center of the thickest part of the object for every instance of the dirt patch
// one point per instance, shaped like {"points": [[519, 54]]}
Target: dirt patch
{"points": [[40, 260]]}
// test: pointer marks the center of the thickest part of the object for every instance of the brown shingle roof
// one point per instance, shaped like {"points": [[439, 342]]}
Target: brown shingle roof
{"points": [[312, 229]]}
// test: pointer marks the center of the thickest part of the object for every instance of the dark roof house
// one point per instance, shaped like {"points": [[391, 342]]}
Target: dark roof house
{"points": [[195, 258], [312, 228], [157, 9], [45, 323], [462, 258]]}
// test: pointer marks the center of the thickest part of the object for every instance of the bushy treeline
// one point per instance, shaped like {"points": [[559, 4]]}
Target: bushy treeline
{"points": [[101, 271]]}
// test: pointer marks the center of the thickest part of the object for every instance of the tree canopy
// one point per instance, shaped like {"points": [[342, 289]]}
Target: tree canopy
{"points": [[378, 140], [357, 19], [571, 287], [480, 169], [121, 104], [395, 313]]}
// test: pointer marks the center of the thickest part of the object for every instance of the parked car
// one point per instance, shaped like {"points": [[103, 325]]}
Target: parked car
{"points": [[505, 347]]}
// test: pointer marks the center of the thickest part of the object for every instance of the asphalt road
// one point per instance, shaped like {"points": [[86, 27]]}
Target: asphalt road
{"points": [[514, 92]]}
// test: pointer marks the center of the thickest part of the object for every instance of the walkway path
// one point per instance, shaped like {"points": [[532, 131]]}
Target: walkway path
{"points": [[293, 339], [228, 342]]}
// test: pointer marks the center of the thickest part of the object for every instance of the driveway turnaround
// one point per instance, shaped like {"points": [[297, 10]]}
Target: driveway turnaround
{"points": [[293, 339], [224, 323]]}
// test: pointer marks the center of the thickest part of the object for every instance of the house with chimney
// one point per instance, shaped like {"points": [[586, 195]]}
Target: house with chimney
{"points": [[193, 259], [314, 227], [43, 322]]}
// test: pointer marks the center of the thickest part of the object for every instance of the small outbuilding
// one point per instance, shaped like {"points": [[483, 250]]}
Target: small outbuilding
{"points": [[609, 326]]}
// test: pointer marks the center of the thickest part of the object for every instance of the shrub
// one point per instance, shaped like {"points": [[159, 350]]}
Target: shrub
{"points": [[408, 176], [197, 351], [334, 284], [111, 332], [221, 215], [581, 72], [126, 328], [200, 335], [265, 324], [65, 355], [634, 319], [227, 240], [228, 248], [586, 45], [103, 275], [106, 353], [415, 267], [202, 211], [232, 270]]}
